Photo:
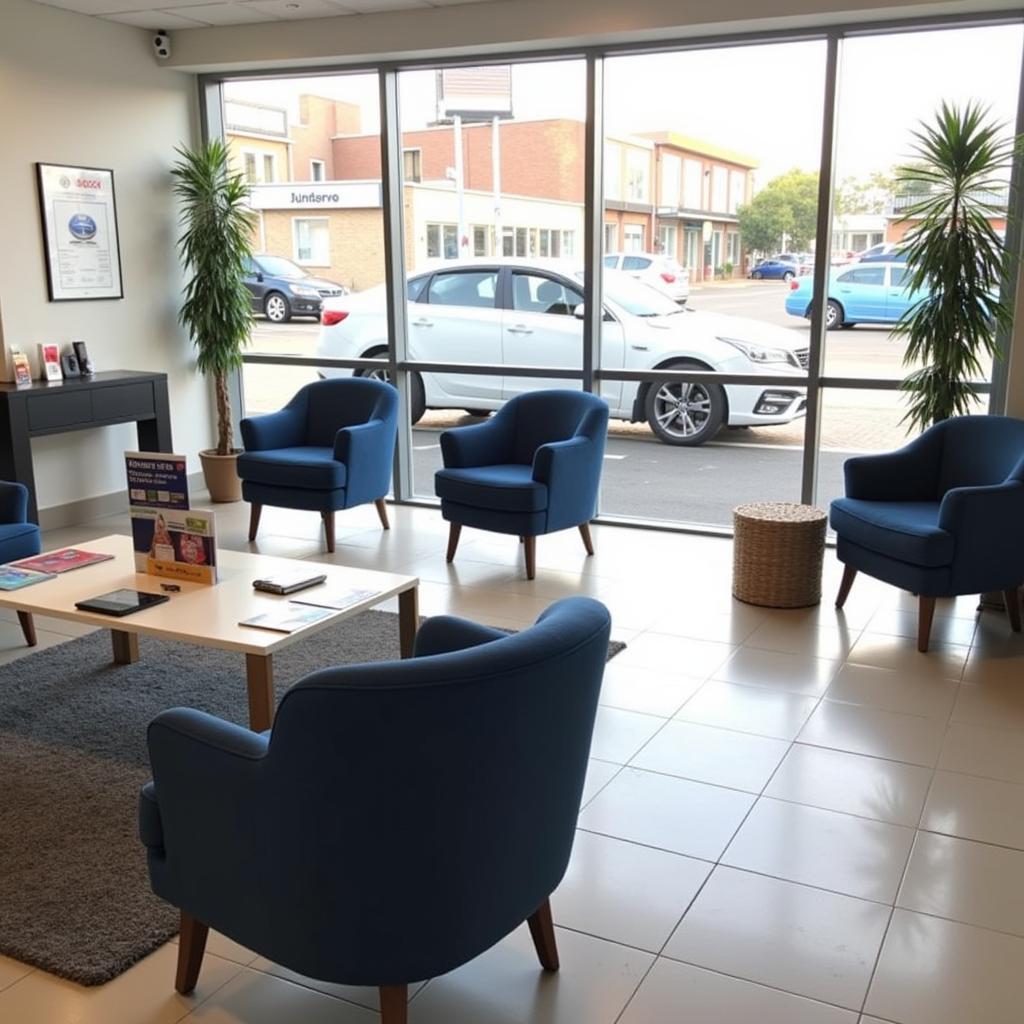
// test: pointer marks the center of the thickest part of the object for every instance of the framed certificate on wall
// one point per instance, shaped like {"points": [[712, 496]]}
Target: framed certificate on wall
{"points": [[83, 257]]}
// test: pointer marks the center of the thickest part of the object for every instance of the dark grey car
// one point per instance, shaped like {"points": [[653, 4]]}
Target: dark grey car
{"points": [[281, 289]]}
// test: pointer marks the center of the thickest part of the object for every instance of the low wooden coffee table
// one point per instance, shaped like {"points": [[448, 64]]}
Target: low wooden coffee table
{"points": [[208, 616]]}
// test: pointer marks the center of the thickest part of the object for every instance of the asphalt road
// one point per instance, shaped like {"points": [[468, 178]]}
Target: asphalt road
{"points": [[648, 479]]}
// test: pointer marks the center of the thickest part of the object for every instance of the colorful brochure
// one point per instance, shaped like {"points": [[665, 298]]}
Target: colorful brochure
{"points": [[61, 561], [15, 579], [334, 599], [170, 538], [287, 618]]}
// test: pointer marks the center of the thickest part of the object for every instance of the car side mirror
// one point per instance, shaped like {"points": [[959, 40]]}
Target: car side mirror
{"points": [[259, 275], [580, 311]]}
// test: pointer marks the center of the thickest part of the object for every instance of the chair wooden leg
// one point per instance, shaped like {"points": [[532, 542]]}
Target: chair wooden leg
{"points": [[542, 930], [588, 541], [328, 518], [382, 511], [191, 946], [849, 575], [254, 519], [454, 532], [28, 627], [1011, 599], [924, 621], [394, 1004], [530, 549]]}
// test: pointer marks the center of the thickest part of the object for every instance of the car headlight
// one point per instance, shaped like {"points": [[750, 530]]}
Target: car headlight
{"points": [[759, 353], [304, 291]]}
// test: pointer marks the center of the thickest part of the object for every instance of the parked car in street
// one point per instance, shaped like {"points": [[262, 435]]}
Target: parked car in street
{"points": [[661, 272], [281, 289], [863, 293], [519, 312], [775, 268], [881, 251]]}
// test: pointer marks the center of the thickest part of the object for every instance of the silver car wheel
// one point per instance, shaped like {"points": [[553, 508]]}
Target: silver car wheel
{"points": [[682, 409], [276, 308]]}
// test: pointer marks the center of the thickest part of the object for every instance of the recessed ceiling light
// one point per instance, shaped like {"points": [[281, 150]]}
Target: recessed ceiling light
{"points": [[291, 7]]}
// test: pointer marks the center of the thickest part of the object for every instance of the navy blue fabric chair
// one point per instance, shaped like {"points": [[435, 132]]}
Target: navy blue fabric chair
{"points": [[940, 517], [398, 819], [331, 447], [18, 539], [533, 468]]}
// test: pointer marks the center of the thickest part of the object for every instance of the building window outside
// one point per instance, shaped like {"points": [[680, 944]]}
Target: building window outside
{"points": [[671, 180], [249, 161], [312, 236], [667, 239], [442, 241], [412, 169], [317, 170], [719, 189], [732, 248], [568, 243], [611, 237], [737, 189], [521, 241], [638, 173], [481, 236], [612, 171], [268, 167], [508, 242], [693, 183], [692, 248], [716, 250], [633, 235]]}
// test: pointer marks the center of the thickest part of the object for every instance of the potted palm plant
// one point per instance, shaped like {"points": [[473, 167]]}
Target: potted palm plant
{"points": [[959, 182], [215, 246]]}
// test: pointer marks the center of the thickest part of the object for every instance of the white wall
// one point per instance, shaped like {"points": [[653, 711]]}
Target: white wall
{"points": [[79, 90]]}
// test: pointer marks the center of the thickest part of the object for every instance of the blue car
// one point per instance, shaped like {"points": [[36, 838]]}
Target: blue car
{"points": [[775, 268], [865, 293]]}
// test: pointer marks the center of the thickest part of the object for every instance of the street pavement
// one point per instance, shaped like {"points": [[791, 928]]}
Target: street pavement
{"points": [[647, 479]]}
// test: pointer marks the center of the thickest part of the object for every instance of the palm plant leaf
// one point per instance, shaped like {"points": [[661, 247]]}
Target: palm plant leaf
{"points": [[960, 178], [215, 245]]}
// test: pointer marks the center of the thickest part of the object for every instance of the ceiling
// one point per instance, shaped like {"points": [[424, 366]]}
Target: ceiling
{"points": [[181, 14]]}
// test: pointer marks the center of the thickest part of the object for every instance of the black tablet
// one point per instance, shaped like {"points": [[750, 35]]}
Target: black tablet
{"points": [[121, 602]]}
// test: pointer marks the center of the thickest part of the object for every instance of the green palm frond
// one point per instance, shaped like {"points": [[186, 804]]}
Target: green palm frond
{"points": [[215, 245], [959, 174]]}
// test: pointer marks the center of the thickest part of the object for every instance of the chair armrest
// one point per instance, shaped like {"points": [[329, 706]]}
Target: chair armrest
{"points": [[443, 634], [572, 471], [13, 502], [283, 429], [558, 457], [908, 474], [484, 444], [985, 523], [367, 450]]}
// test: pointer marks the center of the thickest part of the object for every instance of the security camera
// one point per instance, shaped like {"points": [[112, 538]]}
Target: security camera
{"points": [[162, 44]]}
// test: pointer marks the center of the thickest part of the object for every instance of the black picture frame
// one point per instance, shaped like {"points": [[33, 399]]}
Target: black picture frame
{"points": [[92, 272]]}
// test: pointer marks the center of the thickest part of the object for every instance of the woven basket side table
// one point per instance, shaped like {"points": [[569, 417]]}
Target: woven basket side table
{"points": [[778, 548]]}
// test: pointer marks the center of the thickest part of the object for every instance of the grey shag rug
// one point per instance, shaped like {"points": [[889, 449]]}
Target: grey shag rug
{"points": [[74, 893]]}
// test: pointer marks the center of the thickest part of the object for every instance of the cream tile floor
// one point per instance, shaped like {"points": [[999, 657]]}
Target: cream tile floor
{"points": [[790, 817]]}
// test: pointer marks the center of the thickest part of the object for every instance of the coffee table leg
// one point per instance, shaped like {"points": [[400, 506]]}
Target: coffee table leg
{"points": [[408, 620], [259, 675], [126, 647]]}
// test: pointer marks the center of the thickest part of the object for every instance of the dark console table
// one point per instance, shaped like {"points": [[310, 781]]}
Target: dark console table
{"points": [[58, 407]]}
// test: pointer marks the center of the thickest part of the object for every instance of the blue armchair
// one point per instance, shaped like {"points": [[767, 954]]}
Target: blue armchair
{"points": [[533, 468], [398, 819], [18, 539], [942, 516], [331, 447]]}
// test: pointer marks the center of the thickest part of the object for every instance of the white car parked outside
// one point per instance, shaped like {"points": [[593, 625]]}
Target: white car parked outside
{"points": [[529, 313], [661, 272]]}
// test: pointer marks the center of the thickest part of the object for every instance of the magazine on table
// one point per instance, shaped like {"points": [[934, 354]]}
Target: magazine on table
{"points": [[334, 599], [63, 560], [287, 618], [15, 579]]}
